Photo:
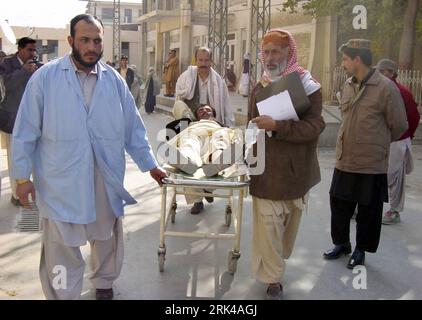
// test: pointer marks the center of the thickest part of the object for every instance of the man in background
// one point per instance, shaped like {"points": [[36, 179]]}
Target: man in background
{"points": [[171, 73], [202, 85], [16, 71], [126, 72], [400, 160]]}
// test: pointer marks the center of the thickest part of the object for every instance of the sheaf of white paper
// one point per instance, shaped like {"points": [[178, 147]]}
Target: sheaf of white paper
{"points": [[278, 107], [250, 137]]}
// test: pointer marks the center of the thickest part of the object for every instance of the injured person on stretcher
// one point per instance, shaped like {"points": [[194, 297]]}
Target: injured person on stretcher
{"points": [[201, 142], [205, 144]]}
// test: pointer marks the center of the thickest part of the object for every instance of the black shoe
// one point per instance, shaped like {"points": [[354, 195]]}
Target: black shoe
{"points": [[275, 292], [197, 208], [16, 202], [209, 199], [104, 294], [357, 259], [337, 251]]}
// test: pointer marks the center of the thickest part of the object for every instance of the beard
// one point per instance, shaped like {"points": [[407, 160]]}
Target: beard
{"points": [[276, 72], [77, 55]]}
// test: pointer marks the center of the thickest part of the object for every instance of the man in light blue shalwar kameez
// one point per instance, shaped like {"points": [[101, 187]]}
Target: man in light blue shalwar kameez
{"points": [[76, 119]]}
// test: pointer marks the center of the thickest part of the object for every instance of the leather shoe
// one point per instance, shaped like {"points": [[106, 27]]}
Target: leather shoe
{"points": [[16, 202], [275, 291], [197, 208], [104, 294], [209, 199], [357, 259], [337, 251]]}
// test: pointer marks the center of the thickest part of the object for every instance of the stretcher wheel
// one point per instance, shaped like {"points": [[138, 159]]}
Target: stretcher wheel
{"points": [[233, 257], [228, 216], [161, 258], [173, 212]]}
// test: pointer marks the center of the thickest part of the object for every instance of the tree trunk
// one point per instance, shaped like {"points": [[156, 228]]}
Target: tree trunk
{"points": [[407, 43], [390, 40]]}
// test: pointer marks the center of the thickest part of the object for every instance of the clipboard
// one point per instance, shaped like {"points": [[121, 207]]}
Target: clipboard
{"points": [[294, 86]]}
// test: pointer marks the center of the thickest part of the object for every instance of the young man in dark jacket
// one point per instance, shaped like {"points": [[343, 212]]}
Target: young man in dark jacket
{"points": [[373, 116], [16, 71]]}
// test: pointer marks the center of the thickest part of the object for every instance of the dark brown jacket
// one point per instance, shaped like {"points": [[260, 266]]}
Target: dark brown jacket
{"points": [[291, 162]]}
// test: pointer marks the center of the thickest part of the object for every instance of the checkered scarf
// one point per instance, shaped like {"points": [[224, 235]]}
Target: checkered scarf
{"points": [[292, 64]]}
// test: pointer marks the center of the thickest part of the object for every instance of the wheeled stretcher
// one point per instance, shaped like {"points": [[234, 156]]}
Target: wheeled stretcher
{"points": [[176, 183]]}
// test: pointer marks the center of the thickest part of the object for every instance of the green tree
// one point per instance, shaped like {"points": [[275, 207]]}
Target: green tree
{"points": [[390, 22]]}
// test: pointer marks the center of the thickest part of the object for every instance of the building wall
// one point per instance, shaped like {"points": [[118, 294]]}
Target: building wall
{"points": [[316, 39], [133, 37], [45, 34], [97, 9], [61, 34]]}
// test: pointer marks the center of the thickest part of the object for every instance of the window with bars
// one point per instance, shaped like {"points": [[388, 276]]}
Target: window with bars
{"points": [[55, 45], [125, 49], [128, 16], [38, 44], [107, 14]]}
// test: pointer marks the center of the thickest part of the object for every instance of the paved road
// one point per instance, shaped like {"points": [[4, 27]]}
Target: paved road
{"points": [[197, 269]]}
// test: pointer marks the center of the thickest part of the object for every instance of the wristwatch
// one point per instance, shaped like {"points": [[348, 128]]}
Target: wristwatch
{"points": [[22, 181]]}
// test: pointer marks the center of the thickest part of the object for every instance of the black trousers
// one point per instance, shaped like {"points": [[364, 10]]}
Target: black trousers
{"points": [[368, 222]]}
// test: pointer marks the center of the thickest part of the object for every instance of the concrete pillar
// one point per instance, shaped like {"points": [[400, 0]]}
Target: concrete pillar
{"points": [[325, 56], [158, 50], [143, 49], [143, 68], [185, 35]]}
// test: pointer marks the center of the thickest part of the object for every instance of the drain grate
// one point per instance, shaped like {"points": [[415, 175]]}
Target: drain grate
{"points": [[29, 219]]}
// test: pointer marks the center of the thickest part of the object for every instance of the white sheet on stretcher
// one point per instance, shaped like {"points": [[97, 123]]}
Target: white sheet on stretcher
{"points": [[236, 170]]}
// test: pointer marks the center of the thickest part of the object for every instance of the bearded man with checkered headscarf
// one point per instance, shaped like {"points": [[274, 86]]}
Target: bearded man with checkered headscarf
{"points": [[280, 193]]}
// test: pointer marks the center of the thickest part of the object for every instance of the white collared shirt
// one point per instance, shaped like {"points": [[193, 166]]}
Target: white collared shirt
{"points": [[203, 90], [20, 60], [87, 82]]}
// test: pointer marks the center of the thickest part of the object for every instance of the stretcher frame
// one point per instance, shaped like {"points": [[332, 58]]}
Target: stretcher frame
{"points": [[176, 183]]}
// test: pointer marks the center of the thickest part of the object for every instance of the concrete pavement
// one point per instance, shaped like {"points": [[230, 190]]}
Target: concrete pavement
{"points": [[197, 268]]}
